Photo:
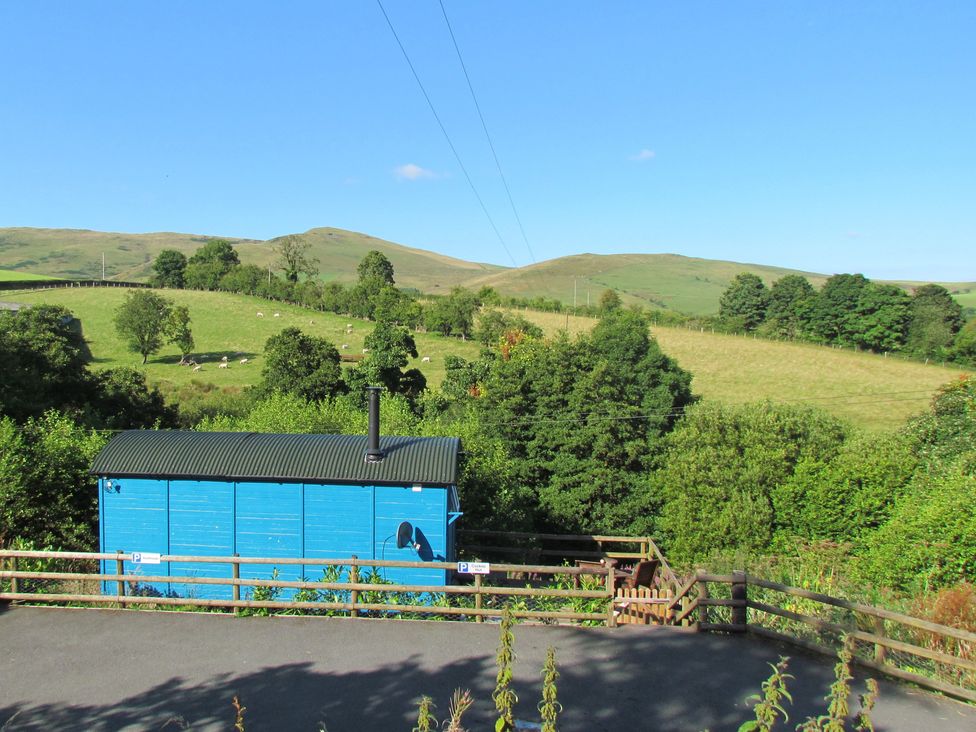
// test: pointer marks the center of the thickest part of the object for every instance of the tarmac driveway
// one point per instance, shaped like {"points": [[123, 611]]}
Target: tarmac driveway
{"points": [[137, 670]]}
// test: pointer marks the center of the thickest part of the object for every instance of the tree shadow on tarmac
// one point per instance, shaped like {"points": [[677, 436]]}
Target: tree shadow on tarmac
{"points": [[629, 679]]}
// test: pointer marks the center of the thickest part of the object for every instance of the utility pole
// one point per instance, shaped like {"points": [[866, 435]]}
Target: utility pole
{"points": [[574, 296], [103, 266]]}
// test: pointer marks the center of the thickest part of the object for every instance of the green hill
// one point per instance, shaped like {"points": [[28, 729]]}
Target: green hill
{"points": [[77, 253], [671, 281]]}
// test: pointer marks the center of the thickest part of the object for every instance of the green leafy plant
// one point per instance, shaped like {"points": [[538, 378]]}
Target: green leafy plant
{"points": [[426, 722], [504, 696], [769, 705], [549, 707]]}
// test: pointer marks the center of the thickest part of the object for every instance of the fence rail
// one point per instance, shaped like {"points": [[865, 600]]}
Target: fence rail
{"points": [[76, 577], [933, 656]]}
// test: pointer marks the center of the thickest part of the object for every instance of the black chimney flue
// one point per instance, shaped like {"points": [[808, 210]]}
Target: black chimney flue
{"points": [[373, 452]]}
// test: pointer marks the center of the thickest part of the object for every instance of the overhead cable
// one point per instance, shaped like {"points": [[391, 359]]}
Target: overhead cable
{"points": [[447, 137], [484, 126]]}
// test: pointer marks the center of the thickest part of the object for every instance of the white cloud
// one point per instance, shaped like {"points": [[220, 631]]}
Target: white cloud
{"points": [[644, 154], [411, 171]]}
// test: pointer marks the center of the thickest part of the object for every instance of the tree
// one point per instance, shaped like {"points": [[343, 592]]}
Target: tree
{"points": [[880, 318], [579, 419], [834, 315], [294, 258], [454, 314], [375, 270], [303, 365], [44, 356], [169, 269], [47, 496], [390, 348], [210, 263], [609, 301], [122, 401], [178, 330], [790, 300], [722, 468], [744, 302], [964, 349], [936, 318], [141, 320]]}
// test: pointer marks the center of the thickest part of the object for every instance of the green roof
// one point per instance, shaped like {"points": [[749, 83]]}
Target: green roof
{"points": [[281, 458]]}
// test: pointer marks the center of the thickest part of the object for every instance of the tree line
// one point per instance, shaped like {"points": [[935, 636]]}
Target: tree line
{"points": [[850, 310]]}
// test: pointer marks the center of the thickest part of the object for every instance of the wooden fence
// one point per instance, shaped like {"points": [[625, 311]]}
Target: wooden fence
{"points": [[538, 592], [565, 547], [933, 656]]}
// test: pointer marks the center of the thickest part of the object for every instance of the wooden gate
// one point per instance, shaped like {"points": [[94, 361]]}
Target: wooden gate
{"points": [[643, 605]]}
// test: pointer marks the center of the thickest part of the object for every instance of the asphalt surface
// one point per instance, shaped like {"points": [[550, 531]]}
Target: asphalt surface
{"points": [[137, 670]]}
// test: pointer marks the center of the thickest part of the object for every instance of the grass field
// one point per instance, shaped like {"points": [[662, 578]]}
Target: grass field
{"points": [[224, 325], [868, 390], [9, 275]]}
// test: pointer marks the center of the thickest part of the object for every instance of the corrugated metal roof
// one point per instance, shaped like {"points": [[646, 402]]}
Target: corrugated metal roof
{"points": [[258, 456]]}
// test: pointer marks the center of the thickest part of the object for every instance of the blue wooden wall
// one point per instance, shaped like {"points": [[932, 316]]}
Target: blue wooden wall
{"points": [[211, 518]]}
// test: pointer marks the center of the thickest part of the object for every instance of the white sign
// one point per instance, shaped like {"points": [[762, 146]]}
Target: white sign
{"points": [[145, 558], [474, 568]]}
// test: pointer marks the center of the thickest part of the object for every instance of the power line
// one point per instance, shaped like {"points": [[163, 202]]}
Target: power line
{"points": [[484, 126], [447, 137]]}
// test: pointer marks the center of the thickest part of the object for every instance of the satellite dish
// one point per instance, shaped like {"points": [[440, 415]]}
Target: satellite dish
{"points": [[404, 535]]}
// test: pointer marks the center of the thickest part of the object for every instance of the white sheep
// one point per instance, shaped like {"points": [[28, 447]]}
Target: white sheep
{"points": [[260, 315], [224, 359], [425, 359], [223, 365], [365, 350], [345, 346], [243, 361], [277, 315], [198, 367]]}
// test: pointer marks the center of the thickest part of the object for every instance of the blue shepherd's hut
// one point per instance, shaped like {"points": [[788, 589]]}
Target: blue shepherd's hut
{"points": [[270, 495]]}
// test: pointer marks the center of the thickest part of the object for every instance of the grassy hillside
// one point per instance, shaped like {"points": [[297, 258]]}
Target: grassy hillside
{"points": [[868, 390], [684, 284], [669, 281], [75, 253], [223, 325], [8, 275]]}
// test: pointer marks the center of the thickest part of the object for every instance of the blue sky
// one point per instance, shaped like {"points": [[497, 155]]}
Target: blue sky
{"points": [[825, 136]]}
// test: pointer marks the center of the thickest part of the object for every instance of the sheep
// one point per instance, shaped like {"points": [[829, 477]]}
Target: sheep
{"points": [[425, 359], [365, 350], [348, 326], [243, 361], [345, 346], [260, 314], [223, 365], [277, 315], [224, 359], [198, 367]]}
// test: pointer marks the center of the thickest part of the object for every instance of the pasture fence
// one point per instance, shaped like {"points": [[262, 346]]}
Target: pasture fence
{"points": [[933, 656]]}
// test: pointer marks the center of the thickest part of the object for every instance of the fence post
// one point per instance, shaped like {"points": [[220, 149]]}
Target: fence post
{"points": [[879, 650], [120, 584], [236, 574], [645, 550], [354, 579], [14, 582], [612, 591], [702, 608], [739, 592], [477, 598]]}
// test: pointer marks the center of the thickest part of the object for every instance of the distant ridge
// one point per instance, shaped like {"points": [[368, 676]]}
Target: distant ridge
{"points": [[675, 282]]}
